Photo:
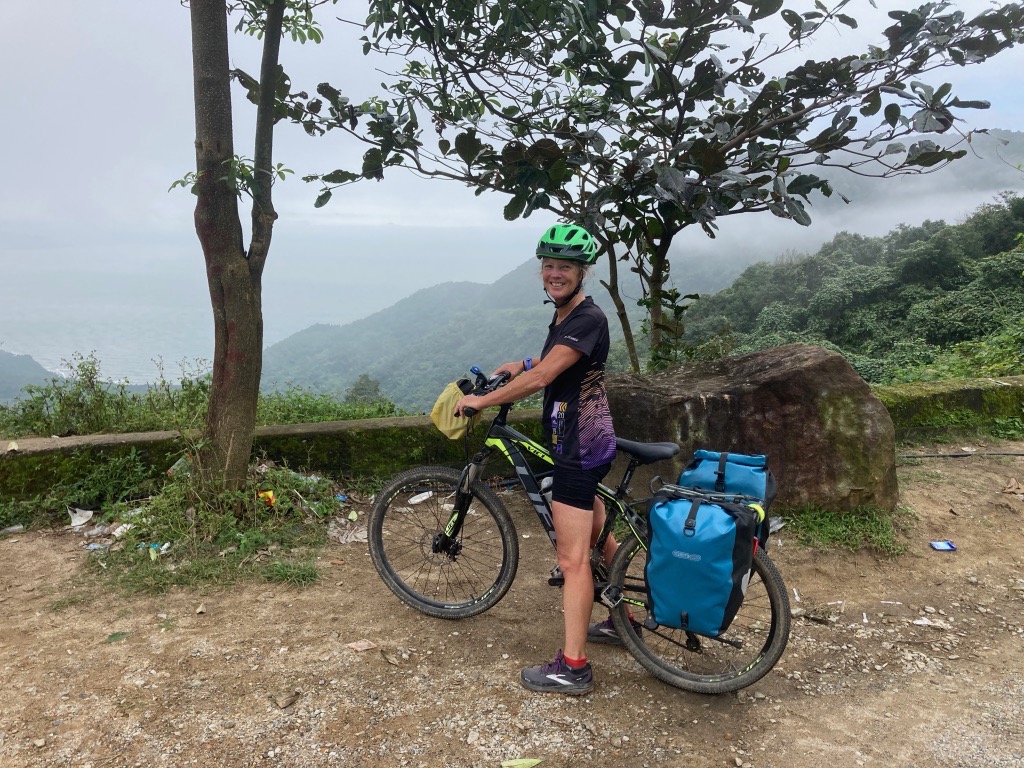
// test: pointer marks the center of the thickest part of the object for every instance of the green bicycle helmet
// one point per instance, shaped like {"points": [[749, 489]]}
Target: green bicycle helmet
{"points": [[567, 241]]}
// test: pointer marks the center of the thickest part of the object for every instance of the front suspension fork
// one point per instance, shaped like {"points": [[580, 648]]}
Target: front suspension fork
{"points": [[447, 539]]}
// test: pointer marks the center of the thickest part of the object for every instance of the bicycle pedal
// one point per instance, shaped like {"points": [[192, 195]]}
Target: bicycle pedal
{"points": [[557, 578]]}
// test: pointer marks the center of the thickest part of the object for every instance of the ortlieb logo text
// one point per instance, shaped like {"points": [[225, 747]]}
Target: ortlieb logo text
{"points": [[686, 555]]}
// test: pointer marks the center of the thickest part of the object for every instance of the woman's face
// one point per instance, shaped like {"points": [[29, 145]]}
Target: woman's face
{"points": [[560, 277]]}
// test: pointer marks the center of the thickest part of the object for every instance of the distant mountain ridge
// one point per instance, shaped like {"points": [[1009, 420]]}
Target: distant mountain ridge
{"points": [[421, 342], [18, 371]]}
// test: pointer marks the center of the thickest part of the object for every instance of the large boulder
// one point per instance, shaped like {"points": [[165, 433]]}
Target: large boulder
{"points": [[828, 439]]}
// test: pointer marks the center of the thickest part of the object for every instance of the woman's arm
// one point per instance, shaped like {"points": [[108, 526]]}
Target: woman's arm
{"points": [[516, 367], [558, 359]]}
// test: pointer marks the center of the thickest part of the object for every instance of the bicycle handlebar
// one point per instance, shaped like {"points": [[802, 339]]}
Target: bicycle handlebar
{"points": [[485, 385]]}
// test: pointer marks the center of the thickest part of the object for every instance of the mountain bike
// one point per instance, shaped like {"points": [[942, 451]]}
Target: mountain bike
{"points": [[443, 541]]}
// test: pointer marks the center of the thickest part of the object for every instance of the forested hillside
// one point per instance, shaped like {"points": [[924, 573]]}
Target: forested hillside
{"points": [[929, 301]]}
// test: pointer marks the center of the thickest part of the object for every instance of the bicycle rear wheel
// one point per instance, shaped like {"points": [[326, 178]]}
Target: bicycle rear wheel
{"points": [[410, 512], [696, 663]]}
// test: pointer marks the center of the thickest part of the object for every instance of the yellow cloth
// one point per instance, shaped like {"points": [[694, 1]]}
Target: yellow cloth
{"points": [[443, 413]]}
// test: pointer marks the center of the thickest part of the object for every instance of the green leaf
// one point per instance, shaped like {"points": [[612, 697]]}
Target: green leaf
{"points": [[468, 146], [340, 177], [872, 104], [803, 184], [322, 198], [764, 9], [522, 762], [892, 114], [515, 207], [444, 145], [794, 19], [373, 164], [970, 104], [117, 637], [798, 212]]}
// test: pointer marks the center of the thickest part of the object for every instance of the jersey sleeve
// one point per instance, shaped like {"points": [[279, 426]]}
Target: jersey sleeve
{"points": [[581, 332]]}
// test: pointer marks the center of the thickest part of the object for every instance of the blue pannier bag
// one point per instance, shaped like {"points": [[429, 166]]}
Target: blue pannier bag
{"points": [[699, 559], [730, 473], [733, 474]]}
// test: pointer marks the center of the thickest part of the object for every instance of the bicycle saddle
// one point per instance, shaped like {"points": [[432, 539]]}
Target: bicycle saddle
{"points": [[647, 453]]}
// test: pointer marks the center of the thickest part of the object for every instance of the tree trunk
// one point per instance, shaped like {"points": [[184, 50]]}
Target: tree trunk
{"points": [[234, 279], [656, 288], [612, 286]]}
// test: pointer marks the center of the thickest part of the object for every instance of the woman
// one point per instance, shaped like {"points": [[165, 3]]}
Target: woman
{"points": [[578, 424]]}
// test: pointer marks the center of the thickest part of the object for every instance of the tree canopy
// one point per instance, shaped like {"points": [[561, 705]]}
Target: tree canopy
{"points": [[638, 119]]}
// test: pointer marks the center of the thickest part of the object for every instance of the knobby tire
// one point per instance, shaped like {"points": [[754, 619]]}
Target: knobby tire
{"points": [[444, 585], [762, 625]]}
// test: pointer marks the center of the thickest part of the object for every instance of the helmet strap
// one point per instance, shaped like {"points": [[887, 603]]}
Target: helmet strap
{"points": [[567, 299]]}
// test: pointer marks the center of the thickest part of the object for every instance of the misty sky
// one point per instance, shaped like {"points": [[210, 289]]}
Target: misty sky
{"points": [[98, 123]]}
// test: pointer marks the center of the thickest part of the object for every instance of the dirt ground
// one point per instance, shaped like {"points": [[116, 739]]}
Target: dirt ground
{"points": [[912, 661]]}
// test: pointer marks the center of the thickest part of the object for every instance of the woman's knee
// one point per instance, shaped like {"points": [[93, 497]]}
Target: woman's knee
{"points": [[572, 560]]}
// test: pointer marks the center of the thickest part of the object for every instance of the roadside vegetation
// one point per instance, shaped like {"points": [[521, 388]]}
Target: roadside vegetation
{"points": [[151, 532], [84, 403], [172, 527], [185, 536], [924, 303]]}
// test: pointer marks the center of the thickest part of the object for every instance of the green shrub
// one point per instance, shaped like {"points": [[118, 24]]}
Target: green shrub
{"points": [[297, 405], [85, 403]]}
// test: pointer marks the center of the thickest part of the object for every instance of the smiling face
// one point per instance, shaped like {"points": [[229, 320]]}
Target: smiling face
{"points": [[560, 277]]}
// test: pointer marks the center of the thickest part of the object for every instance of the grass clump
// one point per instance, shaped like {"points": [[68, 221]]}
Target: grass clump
{"points": [[295, 574], [190, 535], [861, 528], [68, 601]]}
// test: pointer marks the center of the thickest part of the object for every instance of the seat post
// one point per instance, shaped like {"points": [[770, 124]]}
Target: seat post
{"points": [[627, 477]]}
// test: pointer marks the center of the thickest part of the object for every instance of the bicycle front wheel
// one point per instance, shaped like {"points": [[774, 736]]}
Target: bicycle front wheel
{"points": [[468, 578], [756, 638]]}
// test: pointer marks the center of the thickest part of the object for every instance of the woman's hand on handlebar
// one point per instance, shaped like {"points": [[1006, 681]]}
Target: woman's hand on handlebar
{"points": [[469, 405], [514, 368]]}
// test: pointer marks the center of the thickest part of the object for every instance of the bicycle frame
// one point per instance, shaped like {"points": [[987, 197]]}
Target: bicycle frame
{"points": [[514, 446]]}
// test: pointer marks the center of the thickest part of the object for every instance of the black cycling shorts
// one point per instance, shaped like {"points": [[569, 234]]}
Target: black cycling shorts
{"points": [[577, 487]]}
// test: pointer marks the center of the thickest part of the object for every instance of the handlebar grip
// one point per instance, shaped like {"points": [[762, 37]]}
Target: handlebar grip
{"points": [[469, 412]]}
